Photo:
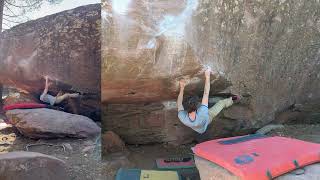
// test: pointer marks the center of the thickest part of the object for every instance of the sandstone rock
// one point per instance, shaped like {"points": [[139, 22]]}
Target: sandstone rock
{"points": [[31, 166], [147, 123], [306, 113], [47, 123], [19, 98], [212, 171], [112, 143], [268, 56], [158, 122], [65, 46]]}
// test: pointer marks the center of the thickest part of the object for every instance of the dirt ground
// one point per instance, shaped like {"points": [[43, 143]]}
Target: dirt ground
{"points": [[144, 156], [82, 156]]}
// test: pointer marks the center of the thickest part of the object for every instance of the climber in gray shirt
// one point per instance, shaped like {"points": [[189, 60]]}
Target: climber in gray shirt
{"points": [[52, 100], [196, 116]]}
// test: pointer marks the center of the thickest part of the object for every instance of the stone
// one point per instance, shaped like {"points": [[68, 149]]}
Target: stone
{"points": [[112, 143], [305, 113], [48, 123], [65, 46], [211, 171], [31, 166], [68, 146], [147, 123], [19, 98], [268, 57], [268, 128]]}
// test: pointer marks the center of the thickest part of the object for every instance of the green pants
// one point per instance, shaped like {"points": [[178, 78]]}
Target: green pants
{"points": [[217, 108]]}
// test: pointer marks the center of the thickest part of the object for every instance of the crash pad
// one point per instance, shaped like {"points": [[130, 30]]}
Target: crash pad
{"points": [[260, 157], [138, 174], [24, 106]]}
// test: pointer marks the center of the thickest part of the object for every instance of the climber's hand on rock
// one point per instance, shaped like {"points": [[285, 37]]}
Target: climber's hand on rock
{"points": [[182, 83], [207, 72]]}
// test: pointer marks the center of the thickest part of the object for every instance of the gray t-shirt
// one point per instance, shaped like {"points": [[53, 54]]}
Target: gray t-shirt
{"points": [[47, 98], [200, 123]]}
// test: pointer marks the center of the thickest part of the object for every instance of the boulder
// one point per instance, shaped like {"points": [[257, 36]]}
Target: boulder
{"points": [[147, 123], [266, 52], [65, 46], [15, 98], [31, 166], [112, 143], [212, 171], [48, 123]]}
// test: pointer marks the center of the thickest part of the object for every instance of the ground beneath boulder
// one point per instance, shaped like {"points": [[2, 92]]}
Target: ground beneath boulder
{"points": [[144, 156], [82, 156]]}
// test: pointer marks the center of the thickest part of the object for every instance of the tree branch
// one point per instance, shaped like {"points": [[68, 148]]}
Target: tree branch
{"points": [[5, 5], [6, 25], [11, 21], [22, 6], [10, 15]]}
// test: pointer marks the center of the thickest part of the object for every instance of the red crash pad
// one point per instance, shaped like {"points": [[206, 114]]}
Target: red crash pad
{"points": [[24, 106], [260, 157]]}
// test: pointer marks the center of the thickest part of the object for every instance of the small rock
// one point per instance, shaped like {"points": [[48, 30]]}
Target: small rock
{"points": [[88, 149], [67, 146], [31, 166], [269, 128], [112, 143]]}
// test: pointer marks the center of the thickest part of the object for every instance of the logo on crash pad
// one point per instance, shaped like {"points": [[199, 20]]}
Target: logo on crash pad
{"points": [[243, 159]]}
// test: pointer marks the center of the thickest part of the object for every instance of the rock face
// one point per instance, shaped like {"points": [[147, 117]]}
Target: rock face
{"points": [[31, 166], [47, 123], [266, 51], [64, 46], [19, 98]]}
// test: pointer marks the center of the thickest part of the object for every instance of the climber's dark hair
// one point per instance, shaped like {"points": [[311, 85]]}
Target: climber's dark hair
{"points": [[191, 103]]}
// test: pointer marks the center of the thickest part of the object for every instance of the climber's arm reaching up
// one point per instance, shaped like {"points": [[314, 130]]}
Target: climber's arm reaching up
{"points": [[180, 97], [46, 88], [205, 98]]}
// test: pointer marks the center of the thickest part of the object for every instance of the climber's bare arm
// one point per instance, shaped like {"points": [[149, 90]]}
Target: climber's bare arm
{"points": [[205, 98], [180, 97], [46, 88]]}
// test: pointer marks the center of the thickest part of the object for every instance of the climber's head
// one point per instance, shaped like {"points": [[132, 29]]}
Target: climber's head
{"points": [[191, 103]]}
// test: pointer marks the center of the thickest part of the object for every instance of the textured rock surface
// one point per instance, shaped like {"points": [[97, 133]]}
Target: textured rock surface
{"points": [[267, 51], [212, 171], [31, 166], [64, 46], [47, 123], [147, 123], [19, 98], [112, 143]]}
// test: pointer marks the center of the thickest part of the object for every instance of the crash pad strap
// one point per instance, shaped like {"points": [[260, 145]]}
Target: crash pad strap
{"points": [[269, 175], [242, 139]]}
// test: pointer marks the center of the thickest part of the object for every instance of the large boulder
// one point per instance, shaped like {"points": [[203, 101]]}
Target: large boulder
{"points": [[48, 123], [65, 46], [31, 166], [265, 51]]}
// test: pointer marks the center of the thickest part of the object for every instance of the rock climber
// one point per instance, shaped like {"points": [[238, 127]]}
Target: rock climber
{"points": [[199, 116], [52, 100]]}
